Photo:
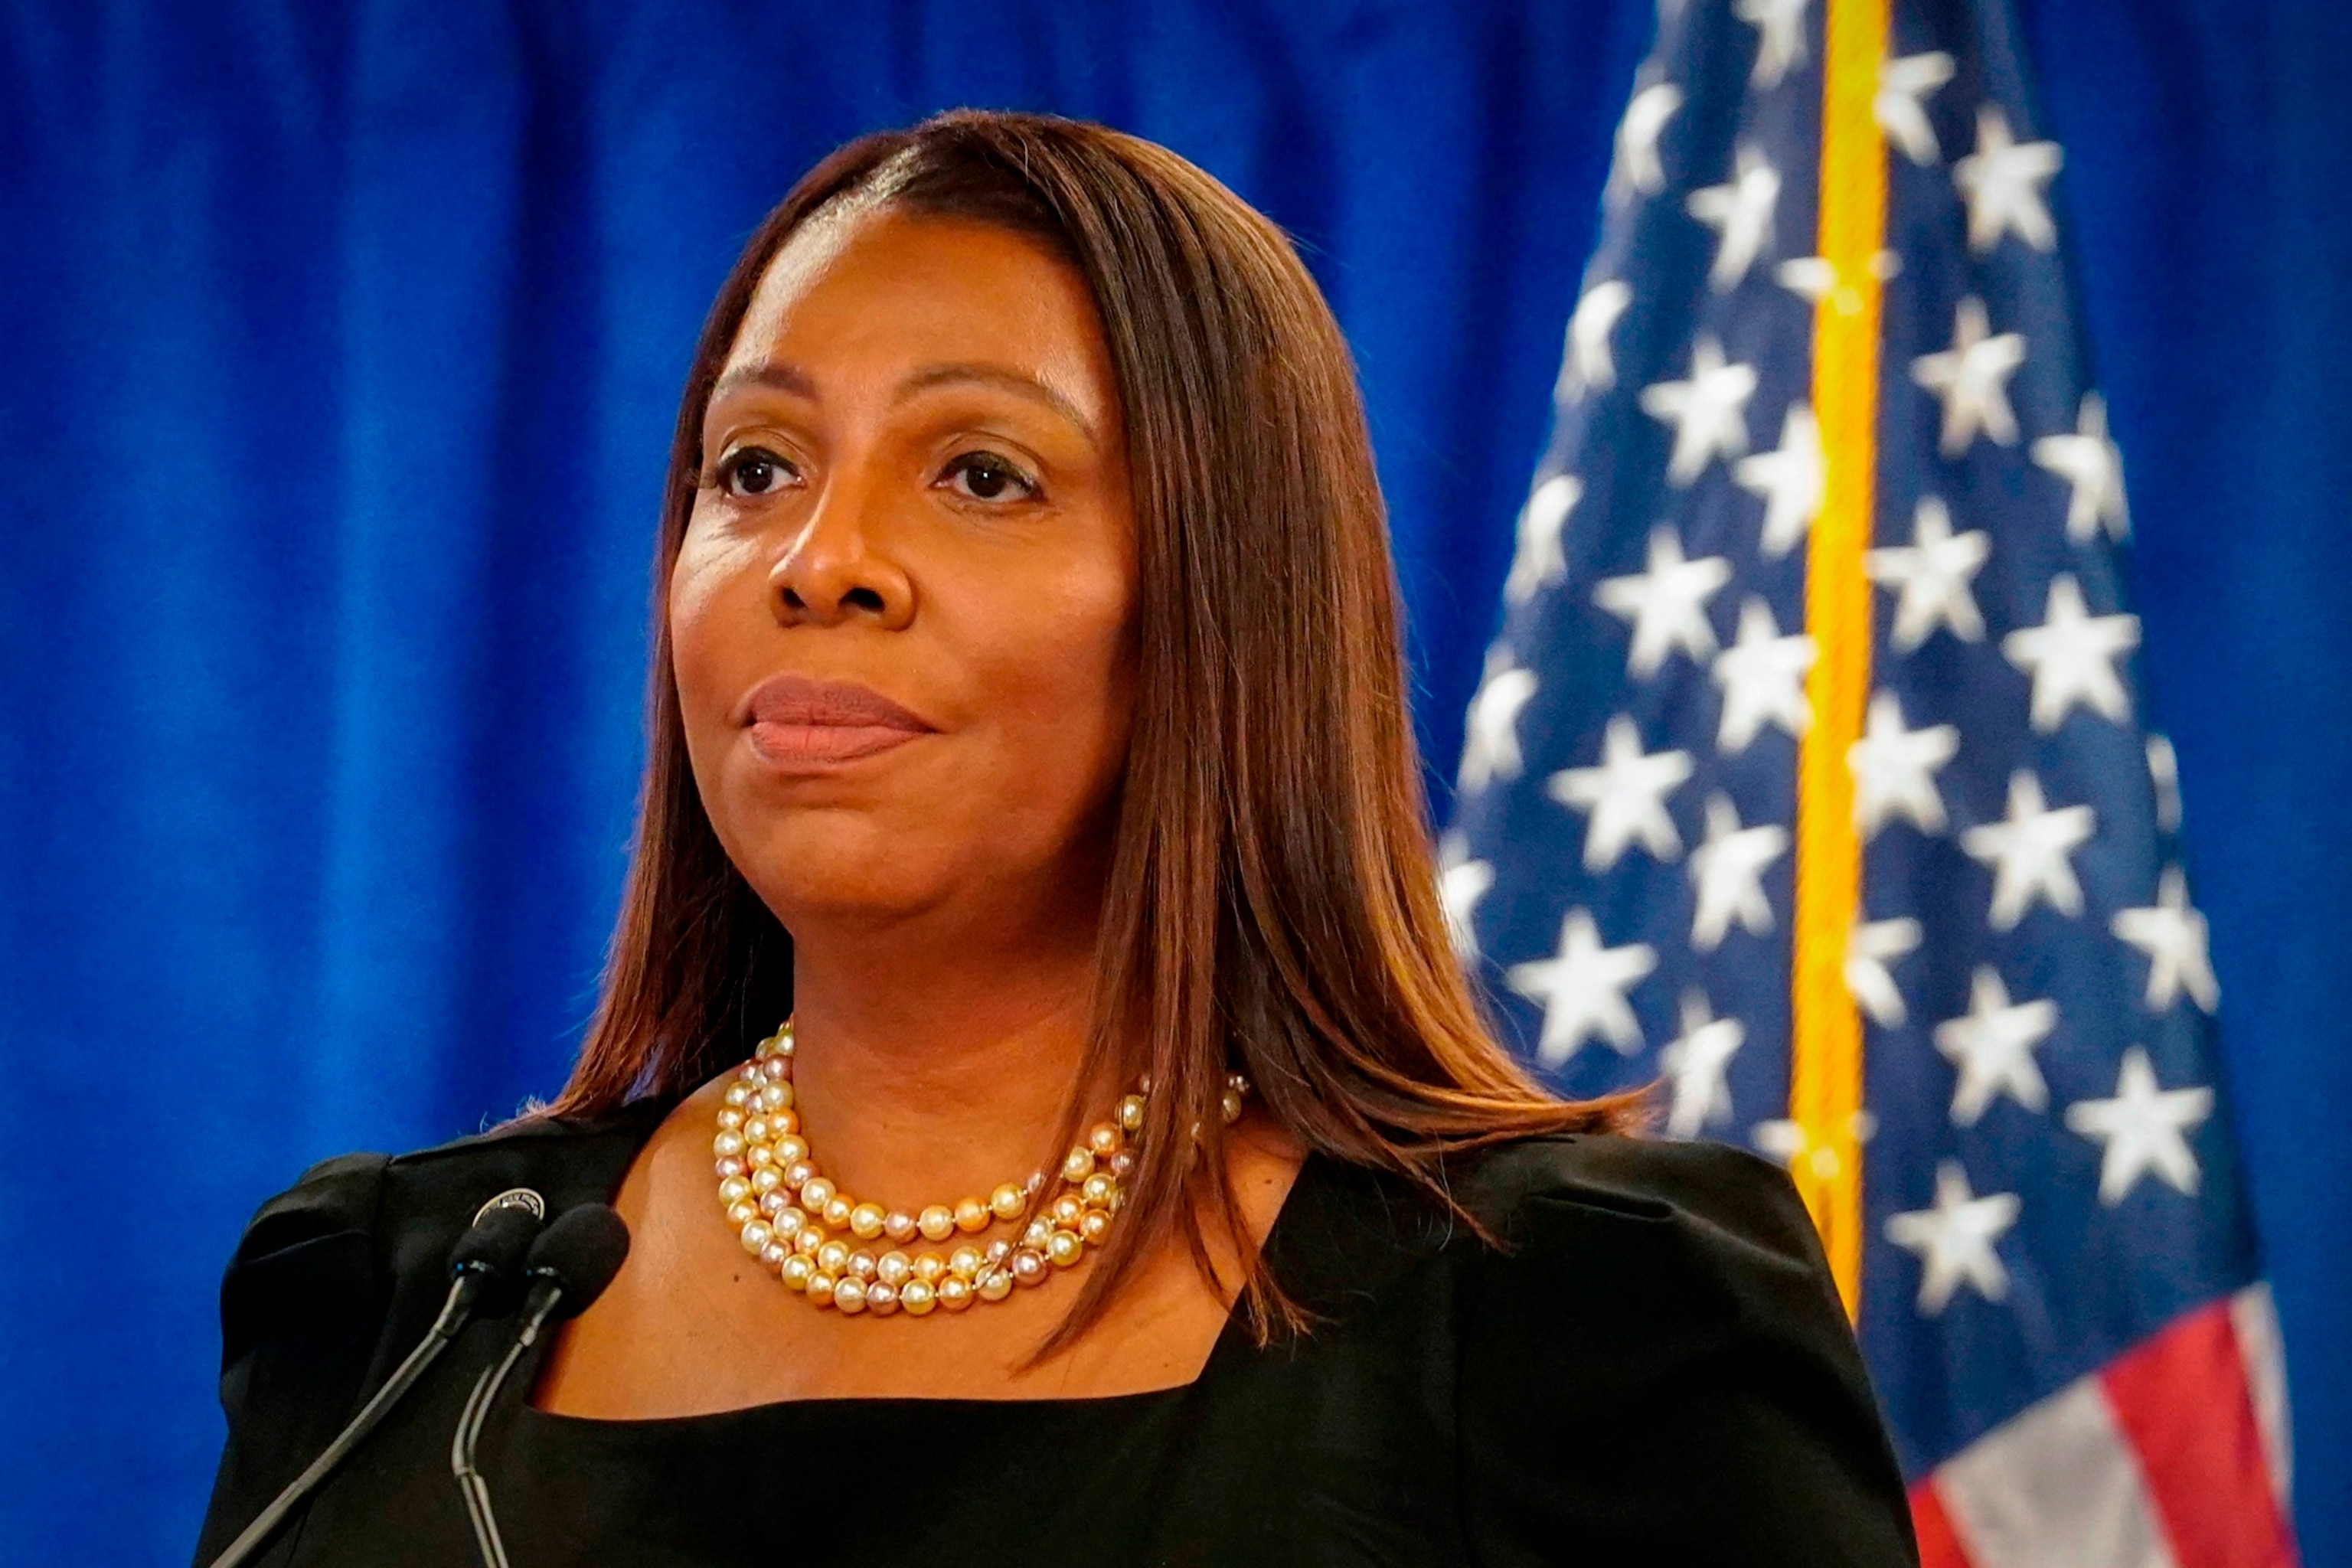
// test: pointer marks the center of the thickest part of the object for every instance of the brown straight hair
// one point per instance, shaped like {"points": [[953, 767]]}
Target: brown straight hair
{"points": [[1271, 904]]}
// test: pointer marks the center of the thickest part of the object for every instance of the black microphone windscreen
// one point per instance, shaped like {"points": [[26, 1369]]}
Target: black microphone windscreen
{"points": [[582, 1250], [495, 1244]]}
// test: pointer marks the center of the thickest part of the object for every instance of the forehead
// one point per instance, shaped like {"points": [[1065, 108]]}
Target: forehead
{"points": [[879, 289]]}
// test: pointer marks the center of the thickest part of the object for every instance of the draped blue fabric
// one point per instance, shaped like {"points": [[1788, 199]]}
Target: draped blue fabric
{"points": [[338, 351]]}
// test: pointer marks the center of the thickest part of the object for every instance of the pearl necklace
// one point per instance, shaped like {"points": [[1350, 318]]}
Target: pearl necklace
{"points": [[788, 1212]]}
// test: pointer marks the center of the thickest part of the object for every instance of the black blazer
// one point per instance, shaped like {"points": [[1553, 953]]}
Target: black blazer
{"points": [[1657, 1370]]}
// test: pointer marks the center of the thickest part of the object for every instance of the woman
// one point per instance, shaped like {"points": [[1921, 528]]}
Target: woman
{"points": [[1032, 1067]]}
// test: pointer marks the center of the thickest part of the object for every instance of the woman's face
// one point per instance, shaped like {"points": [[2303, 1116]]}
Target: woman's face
{"points": [[901, 614]]}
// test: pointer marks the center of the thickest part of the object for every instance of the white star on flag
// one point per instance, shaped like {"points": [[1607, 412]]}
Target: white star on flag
{"points": [[1537, 560], [2090, 463], [1812, 277], [1899, 108], [1740, 213], [1626, 795], [2028, 852], [1992, 1046], [1931, 574], [2003, 181], [1870, 947], [1728, 871], [1971, 377], [2163, 775], [1635, 168], [1954, 1240], [1461, 883], [1894, 769], [1780, 37], [1491, 749], [1703, 410], [2071, 657], [1762, 674], [1792, 480], [1581, 990], [1665, 605], [2172, 934], [2143, 1128], [1589, 364], [1695, 1060]]}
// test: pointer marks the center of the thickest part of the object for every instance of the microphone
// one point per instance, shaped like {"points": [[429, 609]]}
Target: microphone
{"points": [[483, 1267], [568, 1267]]}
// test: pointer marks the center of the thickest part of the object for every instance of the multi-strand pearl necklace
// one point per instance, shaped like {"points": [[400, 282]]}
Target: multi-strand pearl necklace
{"points": [[789, 1214]]}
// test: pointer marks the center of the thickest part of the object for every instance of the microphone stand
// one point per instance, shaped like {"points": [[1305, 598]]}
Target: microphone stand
{"points": [[544, 1296]]}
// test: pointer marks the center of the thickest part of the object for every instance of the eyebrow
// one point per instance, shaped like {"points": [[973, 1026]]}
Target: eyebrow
{"points": [[790, 378]]}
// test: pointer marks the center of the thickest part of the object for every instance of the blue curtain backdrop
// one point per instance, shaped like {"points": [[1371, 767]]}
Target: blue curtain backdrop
{"points": [[338, 345]]}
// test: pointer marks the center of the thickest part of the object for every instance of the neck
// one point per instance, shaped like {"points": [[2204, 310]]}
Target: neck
{"points": [[931, 1064]]}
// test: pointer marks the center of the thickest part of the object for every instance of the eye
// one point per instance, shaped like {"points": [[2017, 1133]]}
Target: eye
{"points": [[984, 476], [754, 471]]}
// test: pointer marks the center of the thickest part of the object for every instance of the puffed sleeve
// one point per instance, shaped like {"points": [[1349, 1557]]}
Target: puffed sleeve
{"points": [[301, 1306], [1657, 1369]]}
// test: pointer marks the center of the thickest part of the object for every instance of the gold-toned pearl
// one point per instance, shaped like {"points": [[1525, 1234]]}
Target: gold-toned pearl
{"points": [[865, 1221], [730, 1120], [795, 1272], [754, 1131], [1033, 1235], [1230, 1105], [790, 1152], [727, 1144], [836, 1209], [1104, 1140], [759, 1155], [1096, 1191], [821, 1287], [733, 1191], [971, 1215], [766, 1179], [1007, 1202], [937, 1223], [788, 1221], [931, 1267], [1066, 1210], [862, 1265], [900, 1226], [740, 1214], [881, 1299], [964, 1262], [955, 1294], [849, 1296], [832, 1257], [809, 1239], [1130, 1113], [738, 1095], [1094, 1227], [783, 1121], [815, 1192], [1077, 1164], [993, 1286], [1063, 1248], [893, 1268], [918, 1298], [771, 1101], [756, 1235]]}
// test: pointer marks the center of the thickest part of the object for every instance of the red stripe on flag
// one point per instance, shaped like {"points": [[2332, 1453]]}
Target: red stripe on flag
{"points": [[2182, 1401], [1939, 1544]]}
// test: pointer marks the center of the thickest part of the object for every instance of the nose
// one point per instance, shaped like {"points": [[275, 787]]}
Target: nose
{"points": [[837, 568]]}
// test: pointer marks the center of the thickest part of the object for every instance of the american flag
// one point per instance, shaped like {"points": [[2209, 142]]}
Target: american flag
{"points": [[1809, 775]]}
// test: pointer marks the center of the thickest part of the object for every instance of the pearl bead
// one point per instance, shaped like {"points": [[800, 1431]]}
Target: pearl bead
{"points": [[767, 1178], [797, 1173], [1034, 1186], [754, 1131], [773, 1256], [727, 1145], [808, 1239], [821, 1287], [795, 1272], [1130, 1113], [1028, 1267], [816, 1191], [1099, 1187], [955, 1294], [899, 1225], [838, 1210], [998, 1251], [937, 1222], [865, 1221], [832, 1257], [1230, 1105], [1035, 1235], [730, 1119], [881, 1299], [783, 1121], [993, 1286], [756, 1235], [849, 1296], [1122, 1165], [787, 1219], [759, 1155], [770, 1205], [862, 1265], [1104, 1140], [1077, 1165], [738, 1095], [728, 1168], [791, 1151], [733, 1191], [893, 1268], [971, 1215], [740, 1214], [964, 1262], [1066, 1210], [778, 1072], [918, 1298], [1094, 1227], [1063, 1249], [1007, 1202], [930, 1269]]}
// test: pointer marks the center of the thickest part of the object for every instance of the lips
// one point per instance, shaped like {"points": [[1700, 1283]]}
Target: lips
{"points": [[796, 720]]}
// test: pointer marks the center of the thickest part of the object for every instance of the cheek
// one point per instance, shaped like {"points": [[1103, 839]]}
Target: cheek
{"points": [[1060, 670], [708, 583]]}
